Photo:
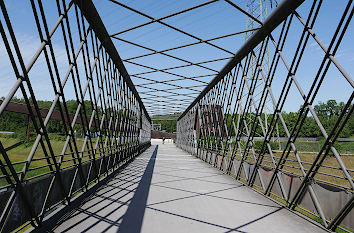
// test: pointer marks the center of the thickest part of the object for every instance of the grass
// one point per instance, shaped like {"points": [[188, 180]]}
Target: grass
{"points": [[315, 146], [40, 163], [329, 172], [21, 152]]}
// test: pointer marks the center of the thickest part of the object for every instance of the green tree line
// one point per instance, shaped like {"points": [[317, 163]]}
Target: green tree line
{"points": [[18, 123], [327, 113]]}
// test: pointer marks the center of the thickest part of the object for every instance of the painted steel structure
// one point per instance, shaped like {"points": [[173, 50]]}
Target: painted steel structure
{"points": [[169, 93], [226, 140], [116, 129], [219, 126]]}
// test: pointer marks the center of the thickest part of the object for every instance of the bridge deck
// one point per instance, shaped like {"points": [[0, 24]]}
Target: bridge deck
{"points": [[167, 190]]}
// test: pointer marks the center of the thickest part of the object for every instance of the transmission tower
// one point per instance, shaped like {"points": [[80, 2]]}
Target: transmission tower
{"points": [[259, 9]]}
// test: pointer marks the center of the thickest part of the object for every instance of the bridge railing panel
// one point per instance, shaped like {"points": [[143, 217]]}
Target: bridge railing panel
{"points": [[91, 122], [234, 123]]}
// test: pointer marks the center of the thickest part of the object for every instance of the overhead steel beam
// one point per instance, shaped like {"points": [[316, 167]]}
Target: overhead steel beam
{"points": [[272, 21], [169, 26], [186, 45], [165, 17], [92, 16]]}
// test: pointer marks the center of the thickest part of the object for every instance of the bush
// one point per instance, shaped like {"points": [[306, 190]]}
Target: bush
{"points": [[57, 137], [341, 147], [258, 146], [347, 147]]}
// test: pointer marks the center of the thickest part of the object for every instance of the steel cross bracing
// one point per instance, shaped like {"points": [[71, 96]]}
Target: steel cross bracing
{"points": [[221, 124], [165, 92], [109, 112]]}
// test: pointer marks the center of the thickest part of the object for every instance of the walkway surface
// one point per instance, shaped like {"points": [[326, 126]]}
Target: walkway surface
{"points": [[167, 190]]}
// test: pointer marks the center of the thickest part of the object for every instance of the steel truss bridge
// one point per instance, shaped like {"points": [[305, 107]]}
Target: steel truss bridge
{"points": [[217, 176]]}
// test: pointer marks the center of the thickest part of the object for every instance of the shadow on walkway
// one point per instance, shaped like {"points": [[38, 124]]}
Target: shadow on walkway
{"points": [[132, 180], [164, 190], [133, 217]]}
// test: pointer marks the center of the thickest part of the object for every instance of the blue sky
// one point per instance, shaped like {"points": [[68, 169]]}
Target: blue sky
{"points": [[210, 21]]}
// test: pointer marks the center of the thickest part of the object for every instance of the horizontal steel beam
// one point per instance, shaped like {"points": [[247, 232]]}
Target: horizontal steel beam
{"points": [[23, 109]]}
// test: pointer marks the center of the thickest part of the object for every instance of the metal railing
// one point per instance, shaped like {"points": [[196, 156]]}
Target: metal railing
{"points": [[108, 111], [220, 125]]}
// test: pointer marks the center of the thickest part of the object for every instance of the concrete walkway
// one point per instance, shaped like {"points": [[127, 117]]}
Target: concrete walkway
{"points": [[167, 190]]}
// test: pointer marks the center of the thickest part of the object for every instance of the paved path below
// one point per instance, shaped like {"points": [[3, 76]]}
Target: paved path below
{"points": [[167, 190]]}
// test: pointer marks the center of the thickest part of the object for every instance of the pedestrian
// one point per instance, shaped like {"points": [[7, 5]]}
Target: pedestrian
{"points": [[163, 140]]}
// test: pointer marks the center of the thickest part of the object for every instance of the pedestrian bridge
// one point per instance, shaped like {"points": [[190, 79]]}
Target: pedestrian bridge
{"points": [[259, 92], [168, 189]]}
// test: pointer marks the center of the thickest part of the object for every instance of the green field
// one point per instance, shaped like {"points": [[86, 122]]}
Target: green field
{"points": [[20, 153], [329, 172], [315, 146]]}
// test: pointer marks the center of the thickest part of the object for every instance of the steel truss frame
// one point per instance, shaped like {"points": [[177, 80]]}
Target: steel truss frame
{"points": [[175, 104], [100, 83], [228, 106], [213, 127]]}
